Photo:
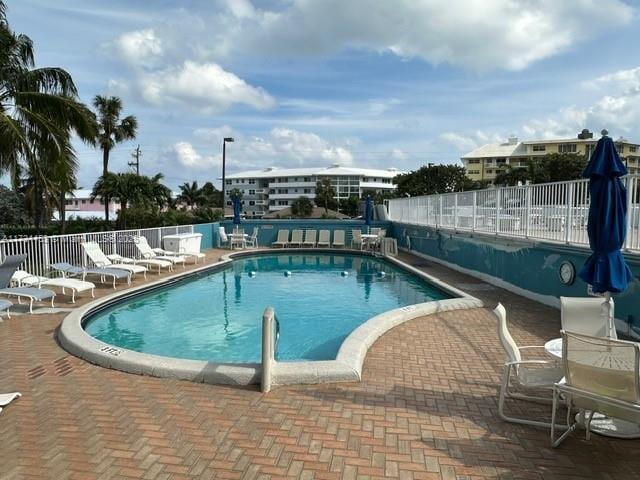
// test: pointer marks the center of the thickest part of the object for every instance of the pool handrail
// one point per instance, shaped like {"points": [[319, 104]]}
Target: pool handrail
{"points": [[270, 338]]}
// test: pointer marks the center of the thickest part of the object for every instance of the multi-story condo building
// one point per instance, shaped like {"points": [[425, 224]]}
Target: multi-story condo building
{"points": [[485, 162], [275, 188]]}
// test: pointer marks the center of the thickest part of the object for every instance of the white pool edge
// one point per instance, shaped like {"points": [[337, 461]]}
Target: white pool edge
{"points": [[347, 367]]}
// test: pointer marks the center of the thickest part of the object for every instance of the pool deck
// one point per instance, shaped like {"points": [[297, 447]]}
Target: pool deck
{"points": [[426, 409]]}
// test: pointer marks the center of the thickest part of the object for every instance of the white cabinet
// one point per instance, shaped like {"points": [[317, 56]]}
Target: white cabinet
{"points": [[183, 243]]}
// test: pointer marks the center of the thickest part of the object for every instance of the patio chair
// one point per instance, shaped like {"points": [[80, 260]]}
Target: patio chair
{"points": [[587, 316], [374, 230], [238, 238], [296, 238], [67, 270], [324, 239], [170, 253], [252, 241], [5, 305], [338, 239], [309, 238], [23, 278], [147, 253], [224, 240], [526, 374], [7, 269], [600, 375], [356, 239], [99, 259], [282, 240]]}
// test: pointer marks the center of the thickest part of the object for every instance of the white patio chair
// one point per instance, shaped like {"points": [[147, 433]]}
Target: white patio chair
{"points": [[526, 374], [99, 259], [324, 239], [224, 240], [338, 239], [238, 238], [6, 306], [252, 241], [356, 239], [587, 316], [22, 278], [296, 238], [283, 239], [147, 253], [374, 230], [600, 375], [309, 238]]}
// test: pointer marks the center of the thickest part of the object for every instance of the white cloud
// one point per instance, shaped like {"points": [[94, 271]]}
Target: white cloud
{"points": [[187, 157], [304, 146], [137, 48], [467, 142]]}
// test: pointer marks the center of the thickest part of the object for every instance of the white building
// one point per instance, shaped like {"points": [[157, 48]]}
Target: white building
{"points": [[275, 188]]}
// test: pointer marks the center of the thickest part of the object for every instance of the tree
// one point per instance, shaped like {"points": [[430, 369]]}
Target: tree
{"points": [[350, 206], [552, 167], [111, 131], [212, 197], [431, 179], [12, 211], [190, 194], [325, 194], [302, 207], [512, 175]]}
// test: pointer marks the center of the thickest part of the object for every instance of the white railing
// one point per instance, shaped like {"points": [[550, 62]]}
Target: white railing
{"points": [[43, 251], [555, 212]]}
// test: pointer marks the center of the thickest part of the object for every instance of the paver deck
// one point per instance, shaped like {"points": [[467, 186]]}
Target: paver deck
{"points": [[425, 409]]}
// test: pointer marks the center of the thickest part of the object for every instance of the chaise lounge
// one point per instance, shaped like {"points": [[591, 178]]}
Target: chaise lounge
{"points": [[23, 278], [7, 269]]}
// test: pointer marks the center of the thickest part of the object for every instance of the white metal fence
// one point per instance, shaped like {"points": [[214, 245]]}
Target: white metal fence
{"points": [[555, 212], [45, 250]]}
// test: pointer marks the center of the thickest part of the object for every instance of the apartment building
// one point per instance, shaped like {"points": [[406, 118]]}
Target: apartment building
{"points": [[485, 162], [274, 188]]}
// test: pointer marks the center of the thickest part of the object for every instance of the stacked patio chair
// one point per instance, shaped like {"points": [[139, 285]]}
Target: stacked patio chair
{"points": [[309, 238], [283, 239], [7, 269], [587, 316], [338, 239]]}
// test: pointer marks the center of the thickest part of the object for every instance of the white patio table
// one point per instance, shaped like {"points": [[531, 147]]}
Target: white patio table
{"points": [[600, 424]]}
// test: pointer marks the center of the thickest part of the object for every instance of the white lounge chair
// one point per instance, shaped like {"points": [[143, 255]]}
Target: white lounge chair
{"points": [[25, 279], [6, 305], [99, 259], [600, 375], [7, 269], [324, 239], [296, 238], [356, 239], [67, 270], [147, 253], [309, 238], [283, 239], [338, 238], [527, 374], [587, 316]]}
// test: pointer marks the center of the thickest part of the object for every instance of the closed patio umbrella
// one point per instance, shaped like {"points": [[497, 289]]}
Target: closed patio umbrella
{"points": [[605, 270], [368, 212], [236, 210]]}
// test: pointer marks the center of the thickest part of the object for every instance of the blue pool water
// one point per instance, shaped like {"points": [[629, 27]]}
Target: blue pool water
{"points": [[218, 316]]}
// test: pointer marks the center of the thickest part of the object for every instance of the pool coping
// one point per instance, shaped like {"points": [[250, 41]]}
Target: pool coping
{"points": [[346, 367]]}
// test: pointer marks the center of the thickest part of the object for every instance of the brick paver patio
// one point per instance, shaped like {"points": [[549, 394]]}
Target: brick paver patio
{"points": [[426, 409]]}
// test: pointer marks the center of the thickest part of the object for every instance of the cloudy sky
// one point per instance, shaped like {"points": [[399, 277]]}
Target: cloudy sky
{"points": [[374, 83]]}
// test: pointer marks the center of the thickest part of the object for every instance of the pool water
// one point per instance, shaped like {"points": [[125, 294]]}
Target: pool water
{"points": [[319, 300]]}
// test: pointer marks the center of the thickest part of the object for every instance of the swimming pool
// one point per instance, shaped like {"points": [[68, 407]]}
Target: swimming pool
{"points": [[319, 298]]}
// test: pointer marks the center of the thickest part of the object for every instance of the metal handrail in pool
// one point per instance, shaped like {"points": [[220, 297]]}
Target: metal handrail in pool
{"points": [[269, 345]]}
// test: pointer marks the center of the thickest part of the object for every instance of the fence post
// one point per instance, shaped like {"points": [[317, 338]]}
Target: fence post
{"points": [[498, 201], [474, 211], [631, 186], [569, 214], [439, 220], [527, 206], [45, 256], [455, 211]]}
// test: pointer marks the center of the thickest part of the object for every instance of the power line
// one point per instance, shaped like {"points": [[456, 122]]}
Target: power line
{"points": [[137, 154]]}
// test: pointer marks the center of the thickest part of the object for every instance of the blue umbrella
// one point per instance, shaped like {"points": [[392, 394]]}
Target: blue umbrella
{"points": [[605, 270], [368, 211], [236, 210]]}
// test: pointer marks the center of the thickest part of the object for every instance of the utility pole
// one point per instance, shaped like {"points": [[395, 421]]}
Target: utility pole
{"points": [[137, 154]]}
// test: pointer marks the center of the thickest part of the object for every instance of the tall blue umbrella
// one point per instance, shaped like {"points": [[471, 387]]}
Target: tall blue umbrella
{"points": [[236, 210], [368, 212], [605, 270]]}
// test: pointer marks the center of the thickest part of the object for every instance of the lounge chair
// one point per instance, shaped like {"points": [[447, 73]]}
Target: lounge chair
{"points": [[338, 239], [600, 375], [324, 239], [7, 269], [309, 238], [171, 253], [67, 270], [283, 239], [7, 398], [296, 238], [6, 305], [356, 239], [99, 259], [527, 374], [587, 316], [146, 252], [24, 279]]}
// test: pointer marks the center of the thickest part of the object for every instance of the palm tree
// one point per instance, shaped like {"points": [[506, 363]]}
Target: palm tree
{"points": [[325, 194], [191, 194], [39, 110], [111, 131]]}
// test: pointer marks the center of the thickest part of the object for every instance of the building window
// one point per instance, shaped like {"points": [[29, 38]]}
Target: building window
{"points": [[307, 190], [307, 179], [272, 190], [228, 182], [252, 192], [567, 148], [252, 181], [633, 148], [229, 203], [252, 202], [84, 202], [283, 191], [539, 148], [283, 202], [473, 160]]}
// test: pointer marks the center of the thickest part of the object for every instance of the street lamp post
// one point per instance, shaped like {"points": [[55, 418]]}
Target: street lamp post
{"points": [[224, 148]]}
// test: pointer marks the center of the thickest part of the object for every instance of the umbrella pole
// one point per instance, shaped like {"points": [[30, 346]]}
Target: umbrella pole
{"points": [[610, 320]]}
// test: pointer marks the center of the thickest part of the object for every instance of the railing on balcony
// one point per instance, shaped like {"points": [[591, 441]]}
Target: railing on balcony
{"points": [[555, 212]]}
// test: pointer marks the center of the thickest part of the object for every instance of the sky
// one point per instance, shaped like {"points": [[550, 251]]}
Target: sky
{"points": [[367, 83]]}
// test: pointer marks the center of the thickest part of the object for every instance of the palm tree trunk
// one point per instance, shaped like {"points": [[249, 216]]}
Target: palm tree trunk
{"points": [[62, 208], [105, 171]]}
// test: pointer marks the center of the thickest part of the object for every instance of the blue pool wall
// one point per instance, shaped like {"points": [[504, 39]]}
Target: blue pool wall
{"points": [[523, 266]]}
